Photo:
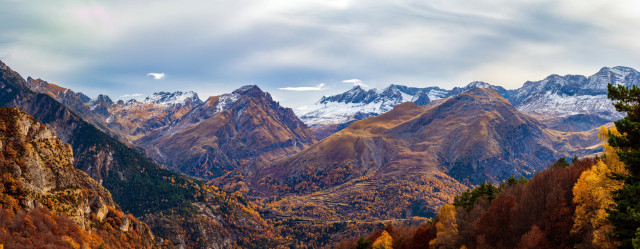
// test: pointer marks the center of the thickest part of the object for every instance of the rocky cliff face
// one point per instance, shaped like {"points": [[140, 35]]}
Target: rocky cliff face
{"points": [[38, 171]]}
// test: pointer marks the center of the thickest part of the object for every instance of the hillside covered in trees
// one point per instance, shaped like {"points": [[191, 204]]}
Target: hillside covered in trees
{"points": [[590, 203]]}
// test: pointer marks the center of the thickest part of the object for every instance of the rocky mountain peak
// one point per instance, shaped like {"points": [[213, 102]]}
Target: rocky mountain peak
{"points": [[616, 75], [484, 92], [478, 84], [357, 94], [84, 98], [102, 99], [51, 89], [11, 77], [177, 97], [248, 89], [227, 132], [617, 70], [101, 102]]}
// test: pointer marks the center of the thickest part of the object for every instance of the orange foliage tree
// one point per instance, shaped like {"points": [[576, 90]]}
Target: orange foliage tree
{"points": [[593, 194], [383, 242], [447, 229]]}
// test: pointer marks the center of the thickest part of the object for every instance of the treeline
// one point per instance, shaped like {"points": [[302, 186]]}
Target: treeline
{"points": [[518, 214]]}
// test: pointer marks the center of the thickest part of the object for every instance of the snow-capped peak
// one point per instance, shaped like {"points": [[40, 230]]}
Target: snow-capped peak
{"points": [[226, 101], [618, 70], [172, 98], [245, 89], [358, 103], [478, 84], [101, 99]]}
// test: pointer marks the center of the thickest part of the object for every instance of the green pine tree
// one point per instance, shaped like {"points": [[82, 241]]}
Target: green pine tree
{"points": [[625, 217]]}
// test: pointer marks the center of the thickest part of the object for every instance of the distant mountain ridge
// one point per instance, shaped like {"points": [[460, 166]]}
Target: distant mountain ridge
{"points": [[572, 94], [558, 99], [358, 103]]}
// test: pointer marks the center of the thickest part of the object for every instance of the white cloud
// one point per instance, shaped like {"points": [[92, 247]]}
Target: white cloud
{"points": [[129, 96], [157, 76], [304, 88], [355, 82]]}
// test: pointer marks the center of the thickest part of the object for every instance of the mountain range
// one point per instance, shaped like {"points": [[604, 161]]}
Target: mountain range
{"points": [[181, 212], [204, 139], [567, 103], [436, 150], [364, 155]]}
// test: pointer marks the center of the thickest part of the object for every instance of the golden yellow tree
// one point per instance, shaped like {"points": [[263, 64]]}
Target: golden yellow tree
{"points": [[446, 228], [383, 242], [592, 193]]}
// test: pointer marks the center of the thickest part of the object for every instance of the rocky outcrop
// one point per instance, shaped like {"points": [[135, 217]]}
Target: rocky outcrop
{"points": [[39, 168]]}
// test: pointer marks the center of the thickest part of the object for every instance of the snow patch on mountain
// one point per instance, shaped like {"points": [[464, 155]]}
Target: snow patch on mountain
{"points": [[562, 105], [554, 96], [226, 101], [358, 103], [172, 98], [338, 113], [561, 96], [437, 93]]}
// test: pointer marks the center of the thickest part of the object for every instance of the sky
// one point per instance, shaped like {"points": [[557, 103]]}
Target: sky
{"points": [[301, 50]]}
